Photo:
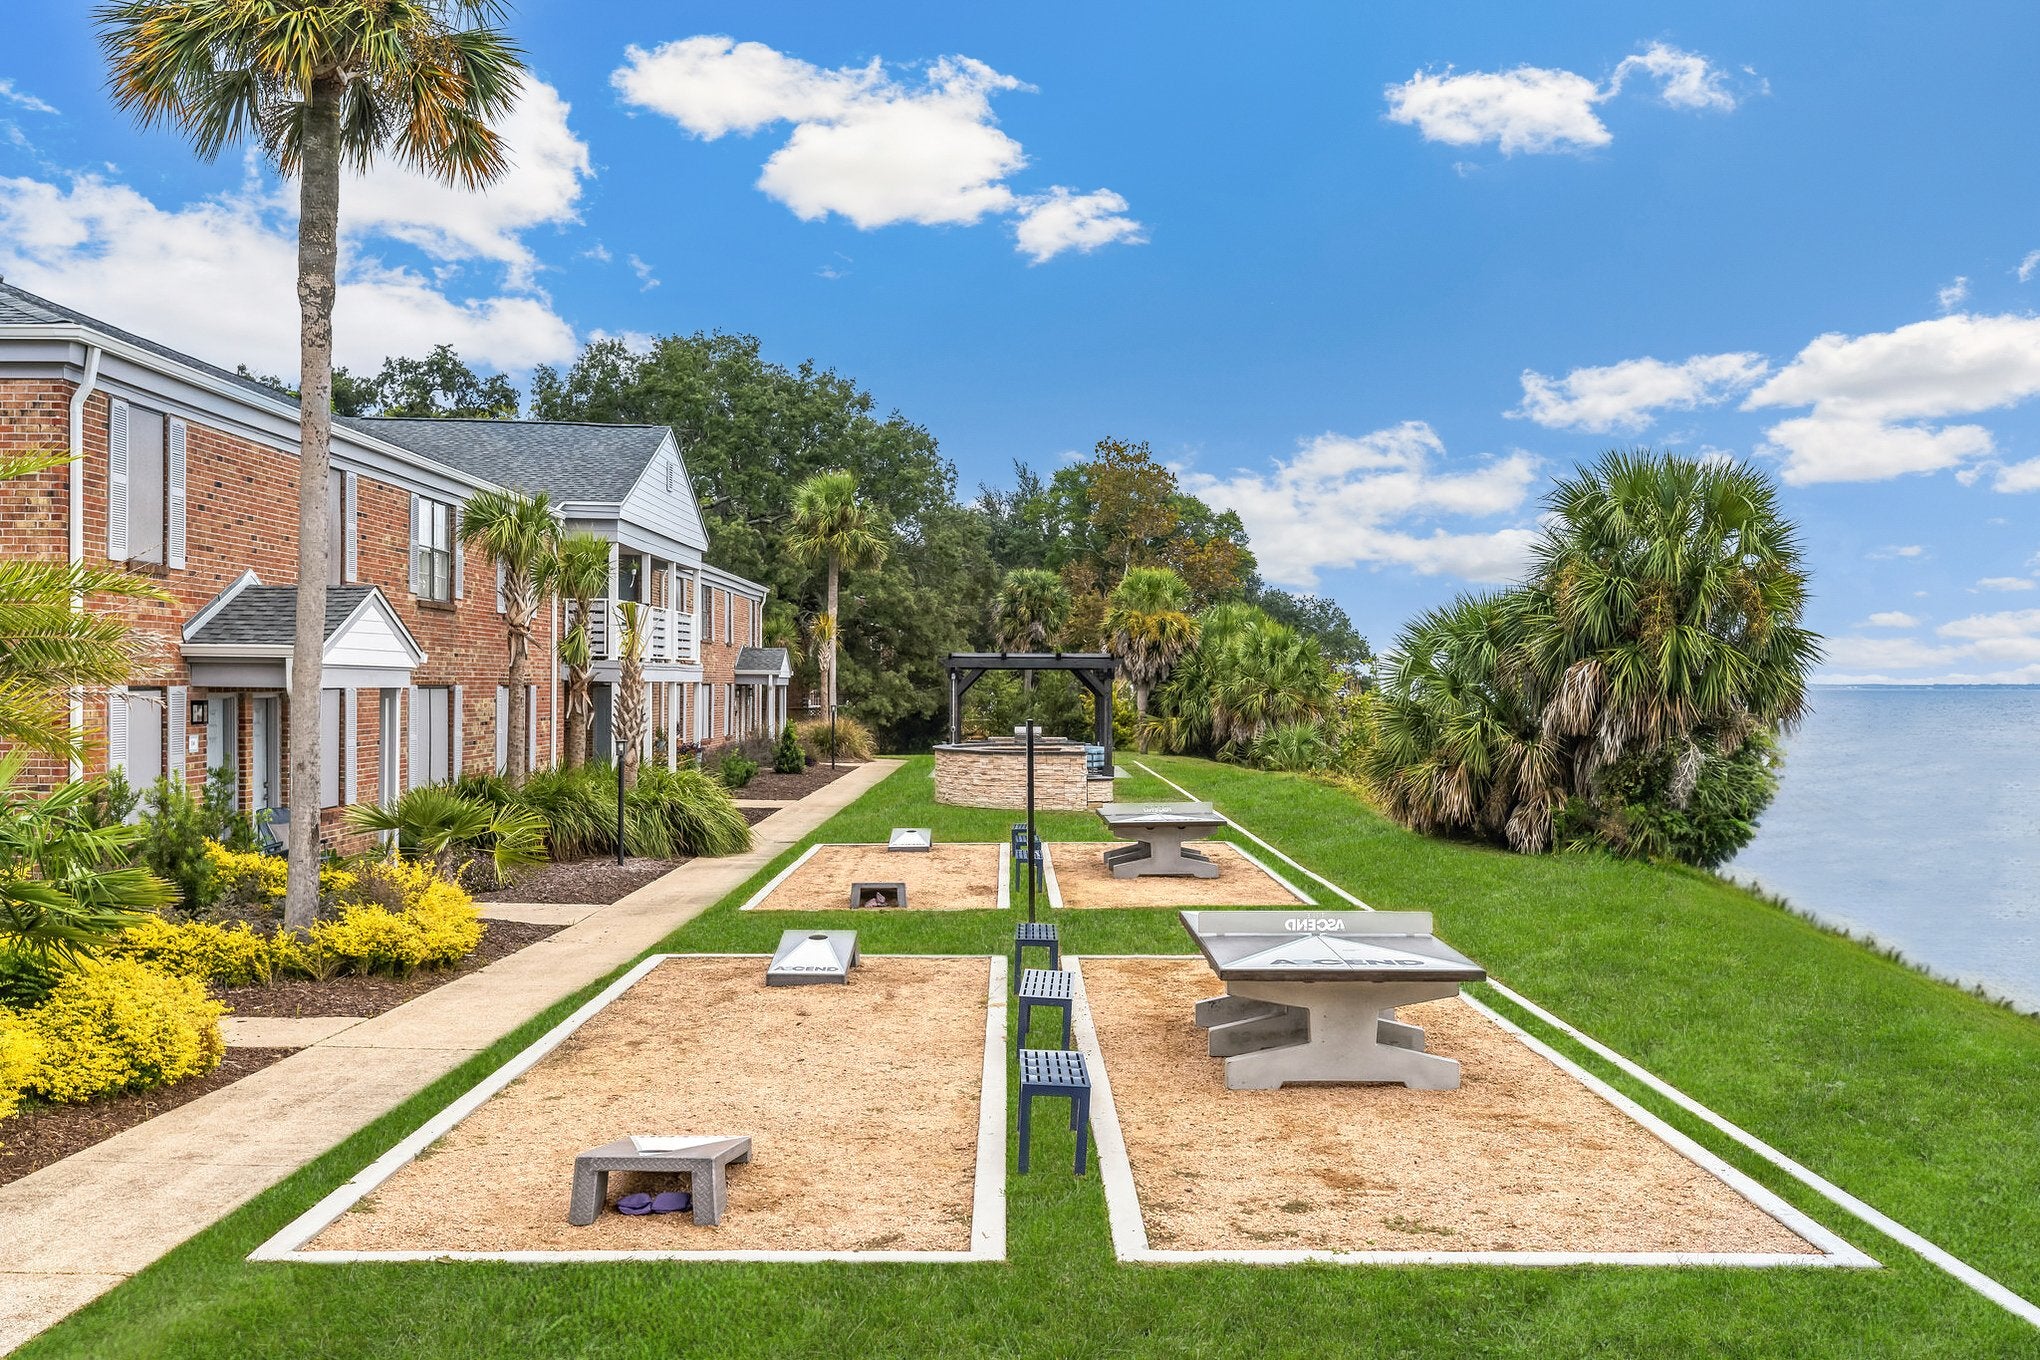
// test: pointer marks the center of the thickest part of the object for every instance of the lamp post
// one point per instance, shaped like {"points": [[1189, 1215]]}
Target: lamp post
{"points": [[832, 736], [1030, 814]]}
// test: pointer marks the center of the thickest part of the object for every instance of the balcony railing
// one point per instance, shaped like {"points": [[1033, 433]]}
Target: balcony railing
{"points": [[669, 634]]}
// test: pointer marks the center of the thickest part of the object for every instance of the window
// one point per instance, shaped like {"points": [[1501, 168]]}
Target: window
{"points": [[431, 549], [630, 578], [333, 752], [148, 501], [431, 735]]}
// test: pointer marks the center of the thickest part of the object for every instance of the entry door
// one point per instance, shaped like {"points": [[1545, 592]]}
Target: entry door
{"points": [[223, 741], [266, 752]]}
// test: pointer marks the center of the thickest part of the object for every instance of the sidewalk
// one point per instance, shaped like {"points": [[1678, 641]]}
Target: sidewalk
{"points": [[72, 1231]]}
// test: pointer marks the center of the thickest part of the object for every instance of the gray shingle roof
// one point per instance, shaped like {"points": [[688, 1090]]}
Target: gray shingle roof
{"points": [[753, 660], [573, 462], [266, 616], [19, 307]]}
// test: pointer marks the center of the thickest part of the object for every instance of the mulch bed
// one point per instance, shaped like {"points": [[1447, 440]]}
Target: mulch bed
{"points": [[753, 816], [290, 998], [769, 784], [595, 880], [33, 1139]]}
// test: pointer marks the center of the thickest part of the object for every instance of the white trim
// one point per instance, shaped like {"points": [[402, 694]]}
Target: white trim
{"points": [[1006, 878], [1129, 1228], [988, 1191], [221, 601], [1048, 878], [756, 899], [779, 878]]}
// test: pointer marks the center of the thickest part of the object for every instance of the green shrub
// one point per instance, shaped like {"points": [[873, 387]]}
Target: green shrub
{"points": [[736, 770], [26, 978], [1298, 748], [578, 807], [787, 757], [1636, 813], [175, 829], [225, 823], [852, 739], [441, 825], [697, 812], [66, 883], [123, 1026]]}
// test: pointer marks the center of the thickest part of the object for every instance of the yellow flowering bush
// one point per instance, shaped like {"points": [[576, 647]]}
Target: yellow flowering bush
{"points": [[405, 916], [248, 877], [20, 1049], [232, 956], [123, 1026]]}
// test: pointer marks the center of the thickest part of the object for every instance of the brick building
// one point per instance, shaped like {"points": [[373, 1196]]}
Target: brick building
{"points": [[187, 474]]}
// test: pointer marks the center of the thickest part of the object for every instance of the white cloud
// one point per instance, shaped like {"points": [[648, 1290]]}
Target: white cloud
{"points": [[868, 146], [1872, 394], [1062, 221], [1544, 109], [647, 280], [1625, 396], [1890, 618], [1345, 500], [1954, 294], [1993, 649], [2007, 583], [1888, 653], [13, 94], [2016, 477], [1904, 550], [2029, 266], [108, 251]]}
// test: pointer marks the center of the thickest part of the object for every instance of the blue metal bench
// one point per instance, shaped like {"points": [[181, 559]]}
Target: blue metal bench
{"points": [[1046, 987], [1056, 1072], [1035, 935]]}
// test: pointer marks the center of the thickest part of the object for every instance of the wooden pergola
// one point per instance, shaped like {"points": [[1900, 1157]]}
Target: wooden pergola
{"points": [[1093, 670]]}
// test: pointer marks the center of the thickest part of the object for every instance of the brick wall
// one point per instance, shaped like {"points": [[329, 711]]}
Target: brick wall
{"points": [[996, 777]]}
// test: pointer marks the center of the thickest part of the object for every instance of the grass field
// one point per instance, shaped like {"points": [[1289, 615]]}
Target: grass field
{"points": [[1915, 1096]]}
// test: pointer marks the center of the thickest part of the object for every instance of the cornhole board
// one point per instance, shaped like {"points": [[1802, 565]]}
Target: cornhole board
{"points": [[811, 956], [910, 838], [1310, 996], [1158, 832]]}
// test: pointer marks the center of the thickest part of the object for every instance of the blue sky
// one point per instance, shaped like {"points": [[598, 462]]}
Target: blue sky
{"points": [[1371, 275]]}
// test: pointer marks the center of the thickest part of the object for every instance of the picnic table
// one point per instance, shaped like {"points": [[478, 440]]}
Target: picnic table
{"points": [[1311, 995], [1158, 832]]}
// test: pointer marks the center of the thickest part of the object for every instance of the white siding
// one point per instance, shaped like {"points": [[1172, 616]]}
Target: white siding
{"points": [[671, 513]]}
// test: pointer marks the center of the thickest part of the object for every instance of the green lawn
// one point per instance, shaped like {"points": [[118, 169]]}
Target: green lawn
{"points": [[1915, 1096]]}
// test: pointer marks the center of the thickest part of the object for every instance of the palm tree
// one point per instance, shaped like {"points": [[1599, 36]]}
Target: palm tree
{"points": [[1148, 628], [1028, 613], [831, 525], [579, 575], [319, 86], [519, 533], [631, 715], [49, 643]]}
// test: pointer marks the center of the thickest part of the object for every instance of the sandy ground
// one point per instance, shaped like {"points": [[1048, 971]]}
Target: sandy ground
{"points": [[955, 877], [1520, 1158], [1086, 883], [861, 1102]]}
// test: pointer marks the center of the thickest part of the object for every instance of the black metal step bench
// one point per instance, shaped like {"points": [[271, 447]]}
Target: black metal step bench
{"points": [[1046, 987], [1056, 1072], [1035, 935]]}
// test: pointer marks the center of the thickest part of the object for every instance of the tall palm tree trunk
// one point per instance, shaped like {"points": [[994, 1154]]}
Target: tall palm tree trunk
{"points": [[835, 564], [580, 710], [521, 611], [318, 263]]}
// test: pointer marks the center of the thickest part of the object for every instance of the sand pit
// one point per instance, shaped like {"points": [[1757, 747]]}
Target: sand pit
{"points": [[862, 1103], [1522, 1158], [954, 877], [1083, 882]]}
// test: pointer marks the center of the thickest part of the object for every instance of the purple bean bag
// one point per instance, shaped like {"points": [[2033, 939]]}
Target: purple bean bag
{"points": [[672, 1202], [634, 1205]]}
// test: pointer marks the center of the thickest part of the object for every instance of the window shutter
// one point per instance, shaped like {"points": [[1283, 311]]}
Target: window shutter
{"points": [[117, 729], [502, 595], [459, 569], [531, 727], [417, 586], [350, 515], [502, 728], [173, 547], [117, 492], [173, 756], [350, 763], [420, 732], [454, 739]]}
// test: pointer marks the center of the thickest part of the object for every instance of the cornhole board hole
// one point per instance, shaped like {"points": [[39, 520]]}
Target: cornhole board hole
{"points": [[849, 1162], [877, 895], [810, 956], [1312, 995], [948, 876], [1080, 879], [910, 838], [1533, 1161]]}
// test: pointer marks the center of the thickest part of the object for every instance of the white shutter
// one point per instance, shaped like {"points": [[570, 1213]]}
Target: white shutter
{"points": [[421, 729], [173, 756], [173, 547], [502, 594], [350, 515], [502, 728], [531, 727], [459, 565], [417, 586], [454, 737], [350, 769], [117, 729], [117, 491]]}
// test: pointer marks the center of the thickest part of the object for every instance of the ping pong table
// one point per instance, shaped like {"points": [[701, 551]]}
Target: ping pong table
{"points": [[1158, 832], [1311, 995]]}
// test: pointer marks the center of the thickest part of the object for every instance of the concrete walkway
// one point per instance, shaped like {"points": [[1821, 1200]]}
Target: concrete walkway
{"points": [[72, 1231]]}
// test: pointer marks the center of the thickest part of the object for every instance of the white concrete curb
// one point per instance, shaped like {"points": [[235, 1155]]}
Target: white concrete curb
{"points": [[751, 904]]}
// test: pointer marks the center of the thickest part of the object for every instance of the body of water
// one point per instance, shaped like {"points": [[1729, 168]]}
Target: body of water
{"points": [[1912, 814]]}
